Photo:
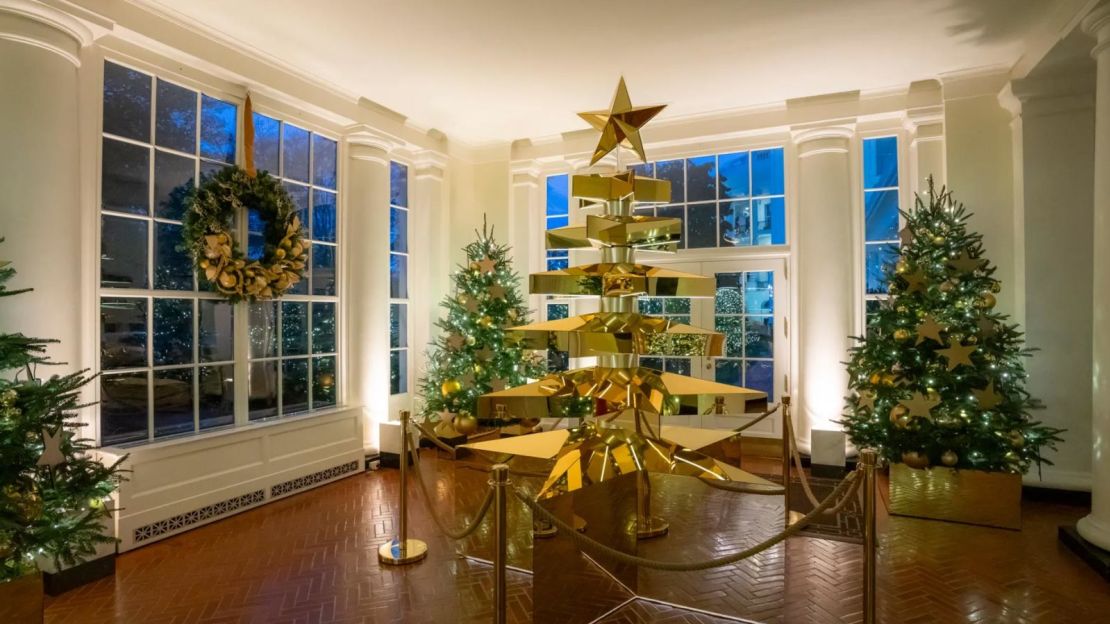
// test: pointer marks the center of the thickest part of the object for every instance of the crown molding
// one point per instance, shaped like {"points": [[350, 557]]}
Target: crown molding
{"points": [[975, 82], [1097, 24], [63, 29]]}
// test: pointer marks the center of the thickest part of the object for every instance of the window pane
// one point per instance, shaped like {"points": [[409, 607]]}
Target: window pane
{"points": [[676, 305], [736, 228], [173, 331], [557, 264], [176, 118], [323, 161], [556, 311], [650, 305], [299, 193], [262, 398], [767, 172], [733, 178], [126, 102], [217, 396], [770, 221], [679, 366], [557, 197], [173, 270], [173, 401], [122, 333], [760, 375], [217, 331], [881, 215], [263, 329], [295, 153], [879, 255], [294, 386], [173, 178], [646, 170], [672, 170], [217, 129], [880, 162], [730, 296], [123, 408], [256, 236], [702, 225], [398, 381], [398, 230], [323, 382], [759, 292], [123, 252], [760, 337], [558, 222], [398, 276], [323, 216], [398, 184], [125, 177], [209, 168], [294, 328], [323, 269], [267, 132], [733, 329], [399, 325], [701, 179], [323, 327], [728, 372], [654, 363], [674, 212]]}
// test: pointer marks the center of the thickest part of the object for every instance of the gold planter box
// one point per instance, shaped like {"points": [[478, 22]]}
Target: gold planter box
{"points": [[969, 496], [21, 600]]}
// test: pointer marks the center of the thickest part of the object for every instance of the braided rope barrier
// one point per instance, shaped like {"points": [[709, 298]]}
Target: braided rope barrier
{"points": [[849, 483], [453, 534]]}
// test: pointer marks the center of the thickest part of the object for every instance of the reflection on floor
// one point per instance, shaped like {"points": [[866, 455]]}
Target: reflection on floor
{"points": [[312, 558]]}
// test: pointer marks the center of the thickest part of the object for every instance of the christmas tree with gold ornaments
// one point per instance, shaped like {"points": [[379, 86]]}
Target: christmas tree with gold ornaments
{"points": [[53, 493], [474, 353], [940, 377]]}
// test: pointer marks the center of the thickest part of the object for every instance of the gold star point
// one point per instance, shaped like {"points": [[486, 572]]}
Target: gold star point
{"points": [[915, 282], [497, 291], [988, 398], [866, 399], [987, 326], [957, 354], [52, 448], [929, 329], [487, 265], [964, 263], [905, 235], [621, 124], [920, 405]]}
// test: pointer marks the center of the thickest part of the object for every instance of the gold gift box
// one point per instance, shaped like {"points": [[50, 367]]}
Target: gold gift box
{"points": [[968, 496]]}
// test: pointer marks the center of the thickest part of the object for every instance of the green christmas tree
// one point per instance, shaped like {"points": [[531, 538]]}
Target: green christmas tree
{"points": [[53, 494], [940, 377], [474, 354]]}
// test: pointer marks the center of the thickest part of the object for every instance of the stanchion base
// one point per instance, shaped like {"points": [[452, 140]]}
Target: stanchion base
{"points": [[647, 528], [795, 516], [544, 532], [392, 553], [580, 524]]}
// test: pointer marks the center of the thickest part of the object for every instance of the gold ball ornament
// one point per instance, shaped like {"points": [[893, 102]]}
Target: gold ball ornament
{"points": [[888, 380], [947, 287], [902, 334], [466, 424], [915, 459], [949, 458], [938, 240], [901, 309], [875, 379], [485, 321], [898, 417], [986, 300], [449, 387], [901, 267], [1017, 440], [470, 340], [996, 286]]}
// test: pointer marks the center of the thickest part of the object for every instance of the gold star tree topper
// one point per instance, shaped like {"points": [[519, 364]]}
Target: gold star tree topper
{"points": [[620, 125]]}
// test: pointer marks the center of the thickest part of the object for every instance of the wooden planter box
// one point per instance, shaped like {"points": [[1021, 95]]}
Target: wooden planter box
{"points": [[968, 496], [21, 600]]}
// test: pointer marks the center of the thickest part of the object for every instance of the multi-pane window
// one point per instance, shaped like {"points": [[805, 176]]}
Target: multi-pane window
{"points": [[724, 200], [744, 311], [880, 209], [398, 277], [676, 310], [557, 215], [166, 342], [294, 341]]}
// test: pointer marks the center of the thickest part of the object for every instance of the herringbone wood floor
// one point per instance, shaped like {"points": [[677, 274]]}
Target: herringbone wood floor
{"points": [[312, 558]]}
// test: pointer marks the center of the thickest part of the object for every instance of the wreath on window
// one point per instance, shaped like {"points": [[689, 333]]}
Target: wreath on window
{"points": [[211, 211]]}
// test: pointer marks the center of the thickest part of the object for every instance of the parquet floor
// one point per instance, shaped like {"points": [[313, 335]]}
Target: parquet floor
{"points": [[313, 558]]}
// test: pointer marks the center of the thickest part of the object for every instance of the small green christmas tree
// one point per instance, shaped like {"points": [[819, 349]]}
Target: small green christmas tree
{"points": [[474, 354], [53, 494], [940, 377]]}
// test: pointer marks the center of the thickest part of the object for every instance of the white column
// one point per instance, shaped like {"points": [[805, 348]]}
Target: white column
{"points": [[430, 258], [526, 227], [40, 175], [367, 294], [926, 130], [1095, 528], [826, 256]]}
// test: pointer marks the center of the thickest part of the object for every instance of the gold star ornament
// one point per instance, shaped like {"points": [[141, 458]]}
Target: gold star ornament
{"points": [[920, 405], [957, 354], [487, 265], [964, 263], [929, 329], [52, 448], [620, 125], [988, 398]]}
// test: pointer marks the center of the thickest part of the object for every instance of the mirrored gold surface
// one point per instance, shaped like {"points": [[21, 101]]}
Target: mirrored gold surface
{"points": [[621, 332], [611, 279]]}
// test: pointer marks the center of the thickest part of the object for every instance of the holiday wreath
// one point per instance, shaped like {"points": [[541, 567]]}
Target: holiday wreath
{"points": [[211, 212]]}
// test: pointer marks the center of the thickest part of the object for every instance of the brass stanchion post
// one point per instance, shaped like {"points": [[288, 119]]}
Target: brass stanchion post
{"points": [[868, 460], [787, 439], [500, 483], [403, 550]]}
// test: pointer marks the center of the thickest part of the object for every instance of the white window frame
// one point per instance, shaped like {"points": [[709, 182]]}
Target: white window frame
{"points": [[406, 392]]}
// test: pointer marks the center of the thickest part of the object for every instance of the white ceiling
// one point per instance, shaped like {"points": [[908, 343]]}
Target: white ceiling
{"points": [[496, 70]]}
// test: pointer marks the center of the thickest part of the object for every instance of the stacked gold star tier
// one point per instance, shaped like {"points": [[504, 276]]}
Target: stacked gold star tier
{"points": [[625, 431]]}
